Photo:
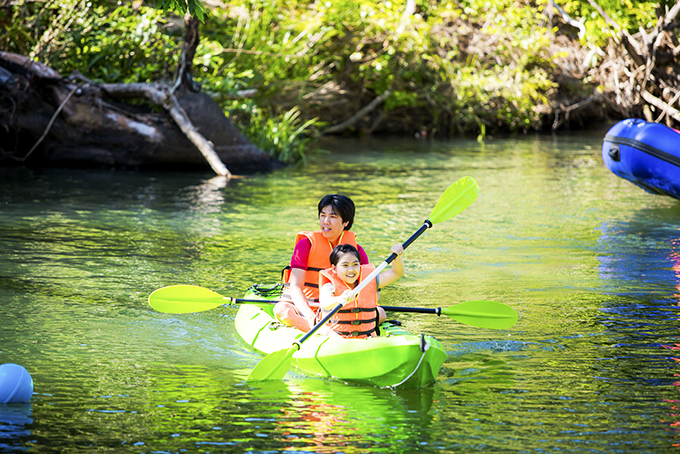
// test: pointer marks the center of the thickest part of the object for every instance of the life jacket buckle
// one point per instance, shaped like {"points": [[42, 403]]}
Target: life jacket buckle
{"points": [[274, 325]]}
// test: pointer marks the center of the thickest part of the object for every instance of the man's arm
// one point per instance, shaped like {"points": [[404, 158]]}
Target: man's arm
{"points": [[297, 280]]}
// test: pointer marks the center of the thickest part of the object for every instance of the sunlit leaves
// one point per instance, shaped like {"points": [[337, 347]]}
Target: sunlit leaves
{"points": [[182, 7], [628, 14], [128, 43], [285, 136], [453, 64]]}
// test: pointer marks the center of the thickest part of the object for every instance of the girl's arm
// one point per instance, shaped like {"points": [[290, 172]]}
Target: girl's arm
{"points": [[327, 298], [397, 271]]}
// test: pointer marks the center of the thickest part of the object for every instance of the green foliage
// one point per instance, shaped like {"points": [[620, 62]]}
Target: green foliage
{"points": [[290, 51], [284, 136], [630, 15], [182, 7], [125, 46], [471, 66], [108, 44]]}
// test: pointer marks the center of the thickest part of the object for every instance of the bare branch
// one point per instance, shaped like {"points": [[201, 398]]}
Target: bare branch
{"points": [[658, 103], [359, 115], [161, 95], [632, 46]]}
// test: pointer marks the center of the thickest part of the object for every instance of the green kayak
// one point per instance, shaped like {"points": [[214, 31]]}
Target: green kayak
{"points": [[395, 358]]}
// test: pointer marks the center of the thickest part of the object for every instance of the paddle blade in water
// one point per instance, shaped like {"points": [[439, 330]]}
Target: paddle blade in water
{"points": [[482, 314], [455, 199], [273, 366], [181, 299]]}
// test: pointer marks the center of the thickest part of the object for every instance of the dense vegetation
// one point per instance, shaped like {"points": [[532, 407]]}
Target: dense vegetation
{"points": [[440, 67]]}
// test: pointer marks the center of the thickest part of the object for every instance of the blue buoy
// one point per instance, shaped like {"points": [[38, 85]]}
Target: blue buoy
{"points": [[16, 384]]}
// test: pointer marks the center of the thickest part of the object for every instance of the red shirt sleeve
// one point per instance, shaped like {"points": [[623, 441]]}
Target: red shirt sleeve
{"points": [[301, 254], [362, 256]]}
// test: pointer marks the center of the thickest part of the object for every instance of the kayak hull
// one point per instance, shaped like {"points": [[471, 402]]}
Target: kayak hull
{"points": [[646, 154], [395, 358]]}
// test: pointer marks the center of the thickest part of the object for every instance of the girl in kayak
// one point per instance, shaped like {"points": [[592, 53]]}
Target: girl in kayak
{"points": [[361, 315], [300, 299]]}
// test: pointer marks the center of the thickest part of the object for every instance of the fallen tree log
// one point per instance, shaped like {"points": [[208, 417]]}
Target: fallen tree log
{"points": [[49, 120]]}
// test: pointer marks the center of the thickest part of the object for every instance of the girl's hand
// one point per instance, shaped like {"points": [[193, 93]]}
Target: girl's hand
{"points": [[346, 297], [312, 321], [397, 249]]}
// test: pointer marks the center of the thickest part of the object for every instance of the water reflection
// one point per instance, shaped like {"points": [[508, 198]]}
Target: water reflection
{"points": [[641, 271], [325, 417], [674, 416], [211, 410], [208, 196], [15, 420], [582, 257]]}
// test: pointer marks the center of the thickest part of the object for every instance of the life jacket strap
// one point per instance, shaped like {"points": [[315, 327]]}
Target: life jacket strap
{"points": [[285, 277], [375, 329], [356, 310], [356, 333], [352, 322]]}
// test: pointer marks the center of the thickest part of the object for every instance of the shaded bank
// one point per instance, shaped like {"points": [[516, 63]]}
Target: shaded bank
{"points": [[431, 69], [634, 75], [49, 120]]}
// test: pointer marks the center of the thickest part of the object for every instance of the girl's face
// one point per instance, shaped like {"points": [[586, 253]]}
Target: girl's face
{"points": [[331, 223], [348, 268]]}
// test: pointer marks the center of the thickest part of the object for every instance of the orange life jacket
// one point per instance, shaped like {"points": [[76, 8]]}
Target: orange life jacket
{"points": [[358, 317], [318, 260]]}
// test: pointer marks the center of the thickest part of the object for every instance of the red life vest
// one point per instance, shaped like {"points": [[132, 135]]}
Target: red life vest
{"points": [[318, 260], [358, 317]]}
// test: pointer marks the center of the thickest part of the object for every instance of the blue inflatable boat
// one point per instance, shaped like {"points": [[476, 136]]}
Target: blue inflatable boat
{"points": [[647, 154]]}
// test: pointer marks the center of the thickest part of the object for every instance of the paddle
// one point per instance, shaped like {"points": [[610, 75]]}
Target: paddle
{"points": [[181, 299], [482, 314], [454, 200]]}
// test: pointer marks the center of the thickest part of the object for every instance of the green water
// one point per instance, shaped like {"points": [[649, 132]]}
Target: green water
{"points": [[590, 262]]}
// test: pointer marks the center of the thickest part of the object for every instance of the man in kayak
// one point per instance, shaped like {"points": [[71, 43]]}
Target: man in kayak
{"points": [[360, 316], [299, 302]]}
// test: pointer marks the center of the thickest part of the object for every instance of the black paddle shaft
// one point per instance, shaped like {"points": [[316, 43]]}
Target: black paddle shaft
{"points": [[318, 325], [426, 225], [418, 310], [423, 310]]}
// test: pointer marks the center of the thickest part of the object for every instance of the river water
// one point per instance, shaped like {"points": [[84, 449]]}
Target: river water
{"points": [[590, 262]]}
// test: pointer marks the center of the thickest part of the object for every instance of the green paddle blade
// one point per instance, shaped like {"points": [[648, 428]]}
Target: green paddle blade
{"points": [[455, 199], [273, 366], [181, 299], [482, 314]]}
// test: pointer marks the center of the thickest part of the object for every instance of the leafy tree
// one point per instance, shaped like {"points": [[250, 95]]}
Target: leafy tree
{"points": [[446, 66], [628, 14]]}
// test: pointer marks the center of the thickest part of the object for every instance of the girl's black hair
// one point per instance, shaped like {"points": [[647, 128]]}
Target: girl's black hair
{"points": [[342, 206], [341, 249]]}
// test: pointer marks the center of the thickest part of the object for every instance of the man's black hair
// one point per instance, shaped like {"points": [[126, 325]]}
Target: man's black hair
{"points": [[342, 206]]}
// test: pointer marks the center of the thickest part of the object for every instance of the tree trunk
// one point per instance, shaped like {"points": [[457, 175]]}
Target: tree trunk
{"points": [[191, 40], [47, 120]]}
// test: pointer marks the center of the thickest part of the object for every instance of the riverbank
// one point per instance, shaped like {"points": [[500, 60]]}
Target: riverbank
{"points": [[286, 74]]}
